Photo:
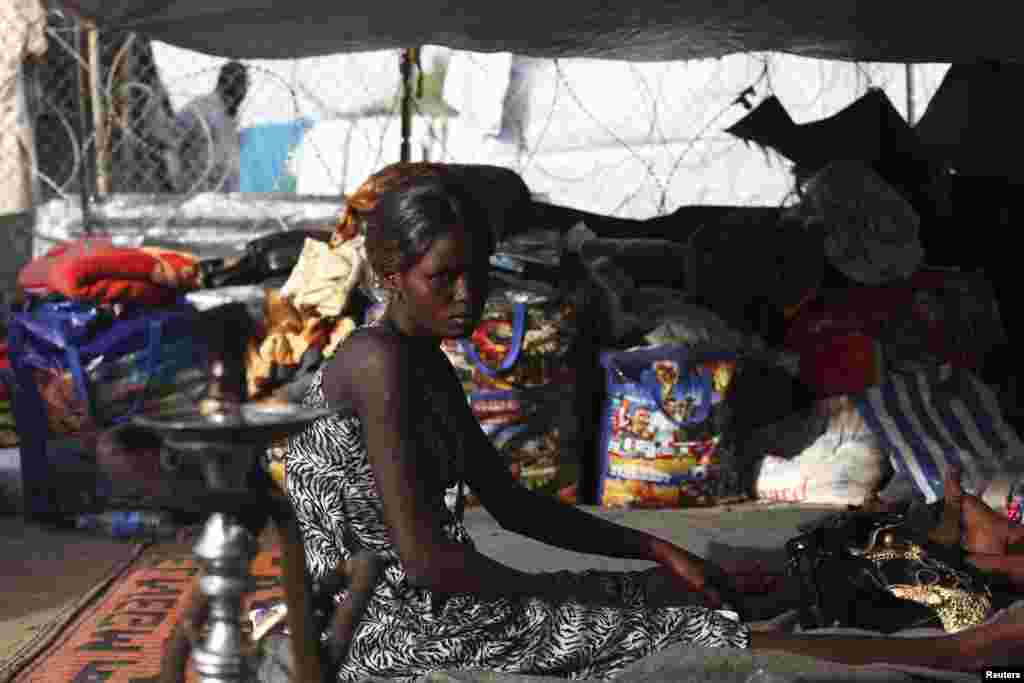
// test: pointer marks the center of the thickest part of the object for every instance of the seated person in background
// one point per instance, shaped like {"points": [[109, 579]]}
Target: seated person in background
{"points": [[374, 477]]}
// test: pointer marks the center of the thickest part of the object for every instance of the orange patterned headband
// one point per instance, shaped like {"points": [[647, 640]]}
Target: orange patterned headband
{"points": [[364, 199]]}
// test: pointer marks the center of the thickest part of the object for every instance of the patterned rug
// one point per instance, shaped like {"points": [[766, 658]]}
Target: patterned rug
{"points": [[48, 578], [120, 637]]}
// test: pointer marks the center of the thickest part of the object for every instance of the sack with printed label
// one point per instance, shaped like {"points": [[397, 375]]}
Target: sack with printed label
{"points": [[519, 381], [664, 427]]}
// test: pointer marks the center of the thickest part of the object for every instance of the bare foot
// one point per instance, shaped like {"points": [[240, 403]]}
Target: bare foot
{"points": [[784, 623], [985, 531]]}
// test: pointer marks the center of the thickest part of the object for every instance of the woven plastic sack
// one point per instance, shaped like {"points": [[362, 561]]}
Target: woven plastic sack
{"points": [[80, 369], [517, 376]]}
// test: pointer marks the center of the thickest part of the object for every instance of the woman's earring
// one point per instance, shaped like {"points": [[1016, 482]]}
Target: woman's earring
{"points": [[396, 291]]}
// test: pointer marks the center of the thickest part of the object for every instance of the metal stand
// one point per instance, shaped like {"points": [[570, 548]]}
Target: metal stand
{"points": [[225, 437]]}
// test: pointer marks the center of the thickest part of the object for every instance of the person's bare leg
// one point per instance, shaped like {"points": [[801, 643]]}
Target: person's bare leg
{"points": [[997, 644], [985, 531], [987, 535]]}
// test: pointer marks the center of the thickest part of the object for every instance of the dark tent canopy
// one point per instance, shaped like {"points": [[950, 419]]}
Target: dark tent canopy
{"points": [[639, 30]]}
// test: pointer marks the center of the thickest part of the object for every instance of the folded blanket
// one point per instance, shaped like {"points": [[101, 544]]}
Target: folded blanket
{"points": [[94, 269]]}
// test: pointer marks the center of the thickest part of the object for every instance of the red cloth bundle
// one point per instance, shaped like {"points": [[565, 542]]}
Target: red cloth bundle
{"points": [[948, 316], [859, 310], [94, 269], [842, 364]]}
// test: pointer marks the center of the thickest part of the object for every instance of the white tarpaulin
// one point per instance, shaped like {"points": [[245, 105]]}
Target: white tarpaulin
{"points": [[647, 30]]}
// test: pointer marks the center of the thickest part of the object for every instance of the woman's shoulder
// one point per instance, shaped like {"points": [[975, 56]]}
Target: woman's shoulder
{"points": [[373, 344], [369, 356]]}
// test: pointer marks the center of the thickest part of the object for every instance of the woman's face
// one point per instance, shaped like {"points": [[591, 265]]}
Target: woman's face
{"points": [[443, 294]]}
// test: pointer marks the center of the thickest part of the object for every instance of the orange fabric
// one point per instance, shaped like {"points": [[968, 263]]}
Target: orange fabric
{"points": [[35, 274], [285, 335]]}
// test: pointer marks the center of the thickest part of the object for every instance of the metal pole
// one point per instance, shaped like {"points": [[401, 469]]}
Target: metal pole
{"points": [[101, 143], [83, 132], [911, 114], [405, 68]]}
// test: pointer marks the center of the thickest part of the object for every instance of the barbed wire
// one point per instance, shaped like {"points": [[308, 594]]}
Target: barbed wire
{"points": [[648, 140]]}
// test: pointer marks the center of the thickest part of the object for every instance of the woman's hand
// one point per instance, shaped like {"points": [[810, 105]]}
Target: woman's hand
{"points": [[698, 575]]}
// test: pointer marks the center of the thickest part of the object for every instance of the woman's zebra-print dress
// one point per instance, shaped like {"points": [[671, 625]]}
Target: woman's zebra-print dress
{"points": [[409, 631]]}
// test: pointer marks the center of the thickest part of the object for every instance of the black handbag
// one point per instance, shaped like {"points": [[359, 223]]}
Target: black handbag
{"points": [[880, 572], [272, 255]]}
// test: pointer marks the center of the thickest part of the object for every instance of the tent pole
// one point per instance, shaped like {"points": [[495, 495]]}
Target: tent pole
{"points": [[405, 68], [84, 192], [101, 142], [911, 114]]}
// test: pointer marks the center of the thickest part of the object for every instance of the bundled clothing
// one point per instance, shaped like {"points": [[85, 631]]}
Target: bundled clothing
{"points": [[289, 340], [95, 270]]}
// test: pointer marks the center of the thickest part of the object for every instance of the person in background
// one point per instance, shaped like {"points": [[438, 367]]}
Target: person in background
{"points": [[208, 154]]}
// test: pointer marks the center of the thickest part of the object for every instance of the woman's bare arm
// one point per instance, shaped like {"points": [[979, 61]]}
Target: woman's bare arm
{"points": [[371, 374], [544, 518]]}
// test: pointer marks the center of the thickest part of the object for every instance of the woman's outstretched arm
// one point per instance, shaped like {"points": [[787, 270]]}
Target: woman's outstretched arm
{"points": [[545, 518], [550, 521]]}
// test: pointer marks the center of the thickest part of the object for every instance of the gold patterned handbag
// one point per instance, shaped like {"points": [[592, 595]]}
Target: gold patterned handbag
{"points": [[959, 597], [875, 571]]}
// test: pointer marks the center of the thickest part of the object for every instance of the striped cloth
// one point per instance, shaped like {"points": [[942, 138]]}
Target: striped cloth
{"points": [[943, 415]]}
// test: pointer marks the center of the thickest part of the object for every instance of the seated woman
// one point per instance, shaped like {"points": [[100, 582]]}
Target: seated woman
{"points": [[374, 476]]}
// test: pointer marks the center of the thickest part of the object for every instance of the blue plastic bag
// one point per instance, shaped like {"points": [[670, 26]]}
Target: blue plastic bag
{"points": [[79, 369], [116, 365]]}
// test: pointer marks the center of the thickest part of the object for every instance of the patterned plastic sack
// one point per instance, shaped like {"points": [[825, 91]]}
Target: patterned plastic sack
{"points": [[93, 370], [663, 427], [80, 369], [516, 374]]}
